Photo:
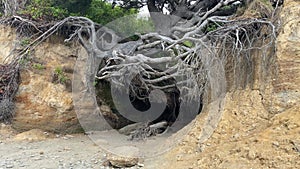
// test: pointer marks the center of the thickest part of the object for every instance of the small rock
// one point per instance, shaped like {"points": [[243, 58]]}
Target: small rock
{"points": [[127, 157], [37, 158], [67, 149], [116, 161], [22, 165], [201, 148], [9, 166], [140, 165], [106, 163], [236, 136], [104, 108], [296, 146], [31, 135], [65, 138], [69, 136], [251, 155], [179, 158], [275, 143]]}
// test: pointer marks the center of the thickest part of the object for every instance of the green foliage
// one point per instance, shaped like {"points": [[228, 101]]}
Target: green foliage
{"points": [[74, 7], [97, 10], [130, 25], [103, 12], [44, 10], [25, 41], [95, 83], [124, 22], [24, 61], [188, 43], [211, 27], [226, 7], [38, 66], [60, 76], [58, 70]]}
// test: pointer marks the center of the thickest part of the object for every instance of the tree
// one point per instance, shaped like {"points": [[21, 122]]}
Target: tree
{"points": [[102, 12], [185, 9], [43, 10], [99, 11], [79, 7], [196, 45], [181, 8], [193, 44]]}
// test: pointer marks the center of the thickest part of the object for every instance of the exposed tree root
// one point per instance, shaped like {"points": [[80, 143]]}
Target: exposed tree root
{"points": [[9, 83], [190, 49]]}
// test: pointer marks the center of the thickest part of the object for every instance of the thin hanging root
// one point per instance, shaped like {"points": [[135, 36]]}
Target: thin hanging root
{"points": [[9, 83]]}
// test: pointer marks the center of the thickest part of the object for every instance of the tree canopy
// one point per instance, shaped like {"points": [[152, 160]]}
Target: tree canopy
{"points": [[99, 11]]}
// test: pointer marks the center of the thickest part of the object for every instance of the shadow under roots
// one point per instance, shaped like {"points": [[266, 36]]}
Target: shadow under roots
{"points": [[139, 99], [119, 111]]}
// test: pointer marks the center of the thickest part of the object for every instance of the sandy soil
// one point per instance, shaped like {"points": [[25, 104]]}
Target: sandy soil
{"points": [[37, 151]]}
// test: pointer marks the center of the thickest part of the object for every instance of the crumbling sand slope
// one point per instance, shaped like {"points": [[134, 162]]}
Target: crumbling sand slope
{"points": [[258, 129], [245, 138]]}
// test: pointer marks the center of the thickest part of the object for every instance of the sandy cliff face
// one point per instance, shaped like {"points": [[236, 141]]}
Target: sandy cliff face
{"points": [[41, 103], [244, 138], [287, 86], [7, 42], [258, 129]]}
